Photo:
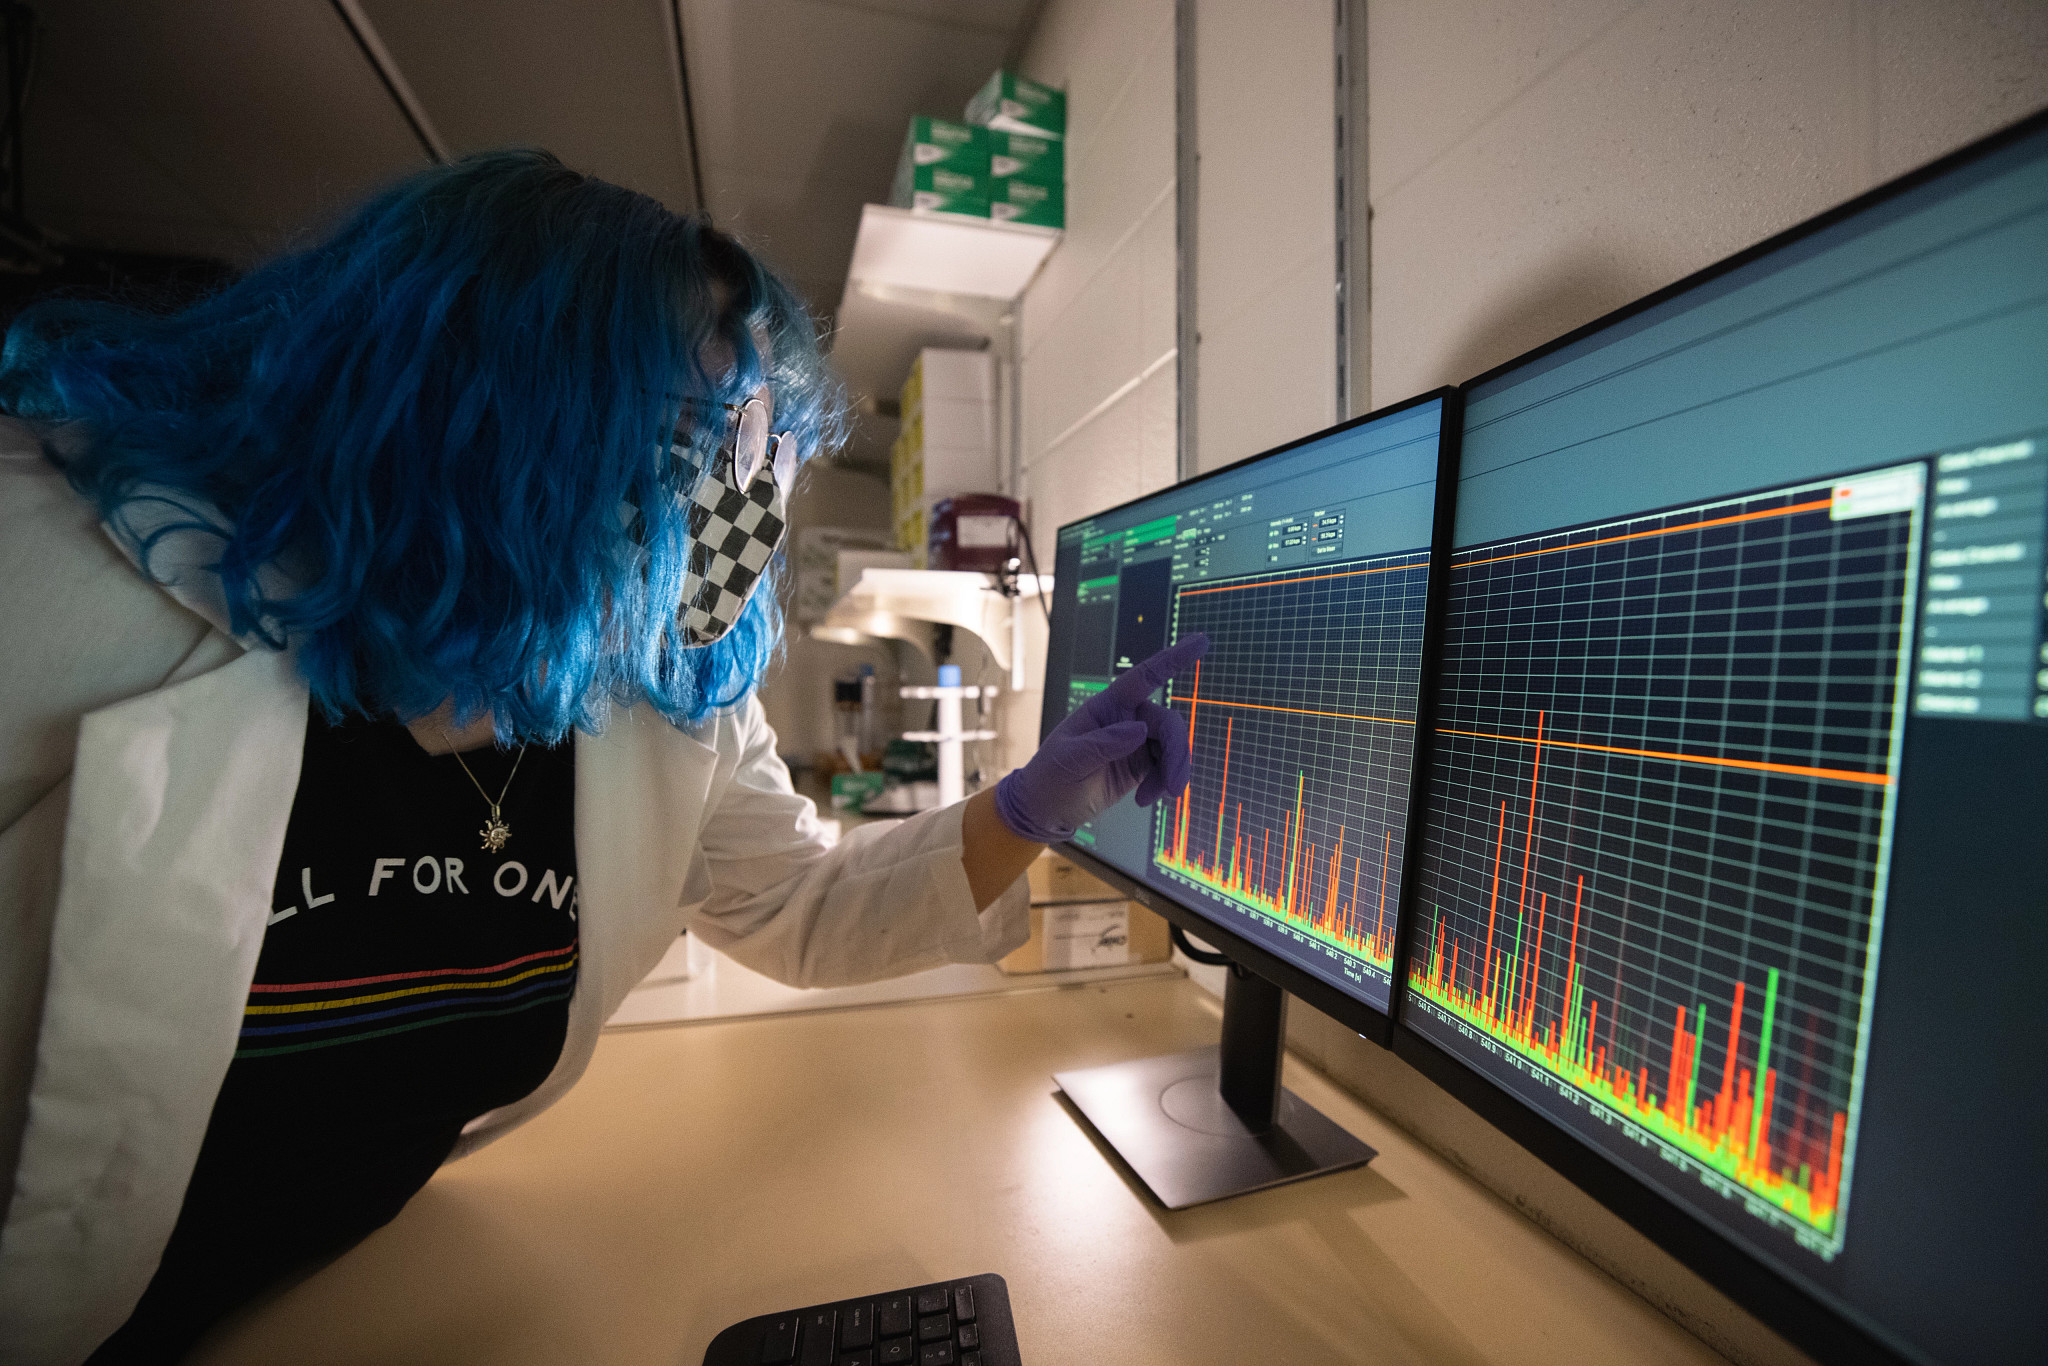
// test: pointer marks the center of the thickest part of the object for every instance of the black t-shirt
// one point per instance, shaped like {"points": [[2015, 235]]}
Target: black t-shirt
{"points": [[410, 980]]}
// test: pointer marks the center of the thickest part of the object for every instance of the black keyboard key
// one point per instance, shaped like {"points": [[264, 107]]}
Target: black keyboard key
{"points": [[856, 1325], [820, 1326], [957, 1323], [778, 1340]]}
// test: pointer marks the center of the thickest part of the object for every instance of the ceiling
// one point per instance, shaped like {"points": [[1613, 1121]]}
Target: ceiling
{"points": [[225, 127]]}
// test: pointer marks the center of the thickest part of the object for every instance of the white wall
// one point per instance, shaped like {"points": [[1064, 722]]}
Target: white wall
{"points": [[1534, 165], [1266, 227], [1097, 343]]}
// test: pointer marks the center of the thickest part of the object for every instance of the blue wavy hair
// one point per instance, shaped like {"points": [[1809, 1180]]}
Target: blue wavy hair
{"points": [[446, 426]]}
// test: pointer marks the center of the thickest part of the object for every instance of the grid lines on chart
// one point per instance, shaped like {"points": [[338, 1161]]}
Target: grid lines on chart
{"points": [[1676, 735], [1301, 721]]}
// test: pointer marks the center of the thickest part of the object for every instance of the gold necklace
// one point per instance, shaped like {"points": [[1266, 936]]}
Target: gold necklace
{"points": [[495, 831]]}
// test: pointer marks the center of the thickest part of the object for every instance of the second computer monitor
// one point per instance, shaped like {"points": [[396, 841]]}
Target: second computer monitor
{"points": [[1308, 568], [1732, 869]]}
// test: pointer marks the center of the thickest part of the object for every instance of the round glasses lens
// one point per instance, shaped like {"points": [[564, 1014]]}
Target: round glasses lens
{"points": [[785, 461], [750, 443]]}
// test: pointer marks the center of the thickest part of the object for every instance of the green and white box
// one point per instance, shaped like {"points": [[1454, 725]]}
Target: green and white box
{"points": [[934, 189], [942, 142], [1020, 201], [1014, 104], [1019, 156], [943, 169]]}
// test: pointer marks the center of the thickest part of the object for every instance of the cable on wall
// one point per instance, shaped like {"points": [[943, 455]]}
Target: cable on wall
{"points": [[1186, 207], [675, 15], [374, 52], [1354, 217]]}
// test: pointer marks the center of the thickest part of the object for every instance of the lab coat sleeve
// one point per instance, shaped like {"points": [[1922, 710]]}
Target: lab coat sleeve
{"points": [[886, 899]]}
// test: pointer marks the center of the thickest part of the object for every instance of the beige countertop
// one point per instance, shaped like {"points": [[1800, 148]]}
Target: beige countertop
{"points": [[706, 1172]]}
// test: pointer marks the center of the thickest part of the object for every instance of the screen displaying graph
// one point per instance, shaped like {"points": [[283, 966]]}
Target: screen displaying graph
{"points": [[1302, 724], [1308, 569], [1662, 801]]}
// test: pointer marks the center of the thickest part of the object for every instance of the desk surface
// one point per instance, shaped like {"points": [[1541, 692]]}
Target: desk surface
{"points": [[703, 1173]]}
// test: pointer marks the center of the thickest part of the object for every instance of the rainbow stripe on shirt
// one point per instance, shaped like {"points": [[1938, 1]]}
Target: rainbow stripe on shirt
{"points": [[296, 1017]]}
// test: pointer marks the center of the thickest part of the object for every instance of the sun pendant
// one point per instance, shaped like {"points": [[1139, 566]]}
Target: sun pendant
{"points": [[495, 833]]}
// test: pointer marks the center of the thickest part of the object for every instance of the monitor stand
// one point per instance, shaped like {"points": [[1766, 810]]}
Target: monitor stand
{"points": [[1216, 1122]]}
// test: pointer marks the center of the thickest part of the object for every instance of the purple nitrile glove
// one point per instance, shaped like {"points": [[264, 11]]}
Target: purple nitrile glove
{"points": [[1117, 740]]}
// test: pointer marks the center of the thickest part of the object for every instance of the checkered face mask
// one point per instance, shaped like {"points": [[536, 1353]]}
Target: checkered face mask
{"points": [[739, 514]]}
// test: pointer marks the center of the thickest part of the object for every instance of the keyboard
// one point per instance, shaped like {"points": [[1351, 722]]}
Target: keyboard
{"points": [[954, 1323]]}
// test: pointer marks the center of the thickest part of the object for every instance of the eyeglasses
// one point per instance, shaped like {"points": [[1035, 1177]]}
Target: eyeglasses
{"points": [[746, 443]]}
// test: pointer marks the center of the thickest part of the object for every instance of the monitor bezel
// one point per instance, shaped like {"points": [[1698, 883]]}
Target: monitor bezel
{"points": [[1827, 1332], [1367, 1021]]}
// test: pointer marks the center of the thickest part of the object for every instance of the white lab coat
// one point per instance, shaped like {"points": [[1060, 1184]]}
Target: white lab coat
{"points": [[147, 768]]}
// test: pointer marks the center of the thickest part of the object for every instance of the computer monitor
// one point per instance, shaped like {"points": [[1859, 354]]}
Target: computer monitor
{"points": [[1309, 569], [1732, 896]]}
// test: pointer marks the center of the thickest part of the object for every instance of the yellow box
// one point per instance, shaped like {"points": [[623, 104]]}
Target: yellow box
{"points": [[1090, 934], [912, 392]]}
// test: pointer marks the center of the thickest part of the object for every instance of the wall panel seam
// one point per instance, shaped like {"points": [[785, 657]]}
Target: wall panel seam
{"points": [[1115, 396], [1109, 258], [1499, 110], [1326, 249], [1082, 151]]}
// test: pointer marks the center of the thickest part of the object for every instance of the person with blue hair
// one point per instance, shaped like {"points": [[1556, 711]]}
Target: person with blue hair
{"points": [[378, 646]]}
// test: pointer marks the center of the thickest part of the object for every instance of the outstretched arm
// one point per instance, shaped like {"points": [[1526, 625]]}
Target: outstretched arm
{"points": [[993, 857]]}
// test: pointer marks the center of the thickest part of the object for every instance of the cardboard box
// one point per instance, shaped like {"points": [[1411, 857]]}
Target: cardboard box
{"points": [[1090, 934], [853, 563], [1014, 104], [851, 790], [816, 553], [1016, 156], [1020, 201], [937, 189], [942, 142], [947, 445], [944, 168], [1054, 879], [942, 372]]}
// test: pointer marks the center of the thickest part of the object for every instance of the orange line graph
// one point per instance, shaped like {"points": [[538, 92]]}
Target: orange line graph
{"points": [[1301, 711], [1846, 775], [1304, 578], [1814, 506]]}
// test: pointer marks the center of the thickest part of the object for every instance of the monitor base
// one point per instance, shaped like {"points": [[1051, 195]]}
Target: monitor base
{"points": [[1170, 1124]]}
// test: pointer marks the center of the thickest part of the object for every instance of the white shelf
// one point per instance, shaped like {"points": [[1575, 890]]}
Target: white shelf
{"points": [[946, 253], [920, 279], [896, 604]]}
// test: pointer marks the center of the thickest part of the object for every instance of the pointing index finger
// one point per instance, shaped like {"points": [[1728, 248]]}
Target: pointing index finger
{"points": [[1152, 672]]}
